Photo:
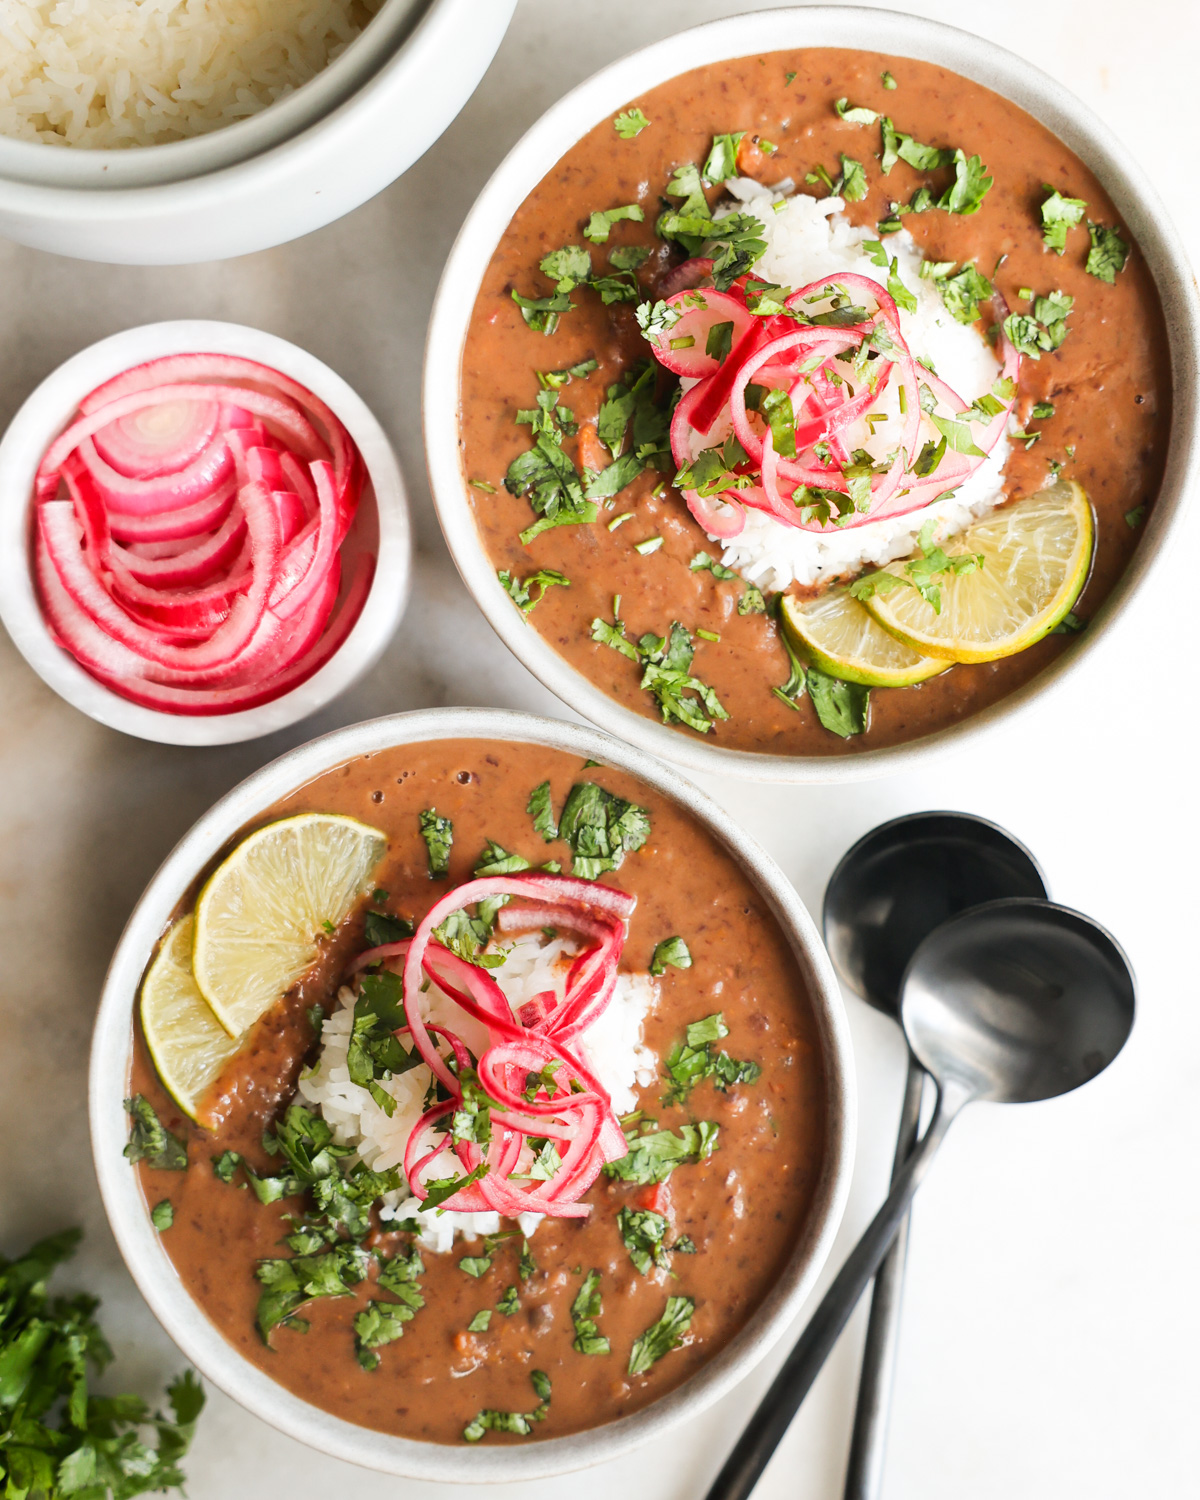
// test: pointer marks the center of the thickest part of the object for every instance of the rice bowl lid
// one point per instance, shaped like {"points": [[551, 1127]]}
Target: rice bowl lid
{"points": [[567, 122], [63, 166], [141, 1246]]}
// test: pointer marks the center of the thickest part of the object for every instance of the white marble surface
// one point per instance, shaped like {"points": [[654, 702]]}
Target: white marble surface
{"points": [[1052, 1315]]}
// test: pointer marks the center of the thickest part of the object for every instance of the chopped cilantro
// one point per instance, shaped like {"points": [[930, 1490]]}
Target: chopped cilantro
{"points": [[705, 562], [1107, 255], [719, 341], [853, 181], [661, 1337], [649, 546], [546, 474], [1070, 624], [438, 833], [553, 380], [922, 573], [695, 1059], [519, 1423], [521, 590], [643, 1232], [374, 1051], [382, 1323], [887, 80], [150, 1141], [482, 484], [629, 257], [57, 1439], [479, 1323], [599, 226], [439, 1189], [1044, 329], [162, 1215], [673, 951], [787, 79], [1058, 215], [630, 122], [585, 1309], [655, 1154], [526, 1265], [510, 1303], [971, 184], [793, 689], [1134, 517], [289, 1284], [962, 291], [601, 829]]}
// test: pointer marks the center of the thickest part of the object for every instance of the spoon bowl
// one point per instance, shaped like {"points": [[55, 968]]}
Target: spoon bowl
{"points": [[1017, 1001], [906, 877]]}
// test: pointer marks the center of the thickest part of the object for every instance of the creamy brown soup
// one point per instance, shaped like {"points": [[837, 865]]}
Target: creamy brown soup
{"points": [[1109, 381], [743, 1207]]}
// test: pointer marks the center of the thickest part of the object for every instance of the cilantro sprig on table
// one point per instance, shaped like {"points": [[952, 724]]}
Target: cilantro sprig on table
{"points": [[56, 1438]]}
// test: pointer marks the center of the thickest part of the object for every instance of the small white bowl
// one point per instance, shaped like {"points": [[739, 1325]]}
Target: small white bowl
{"points": [[139, 1242], [335, 162], [748, 35], [143, 166], [380, 526]]}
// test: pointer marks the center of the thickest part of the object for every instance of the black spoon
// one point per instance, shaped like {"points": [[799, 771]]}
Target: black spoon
{"points": [[890, 891], [1010, 1002]]}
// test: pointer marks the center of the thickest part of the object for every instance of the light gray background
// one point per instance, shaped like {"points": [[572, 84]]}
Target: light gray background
{"points": [[1052, 1314]]}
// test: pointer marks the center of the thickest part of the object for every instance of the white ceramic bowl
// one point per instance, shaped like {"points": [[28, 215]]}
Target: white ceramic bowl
{"points": [[72, 167], [380, 526], [218, 1360], [748, 35], [356, 144]]}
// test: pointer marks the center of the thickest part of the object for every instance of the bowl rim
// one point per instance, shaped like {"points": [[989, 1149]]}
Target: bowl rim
{"points": [[46, 412], [282, 165], [225, 145], [140, 1245], [567, 121]]}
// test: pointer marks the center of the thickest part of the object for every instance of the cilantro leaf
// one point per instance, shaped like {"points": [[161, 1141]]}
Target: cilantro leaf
{"points": [[541, 810], [855, 114], [585, 1309], [1107, 255], [970, 187], [696, 1058], [661, 1337], [151, 1141], [1043, 330], [962, 291], [521, 591], [381, 927], [438, 833], [630, 122], [479, 1323], [599, 226], [842, 707], [721, 162], [162, 1215], [289, 1284], [673, 951], [1058, 215]]}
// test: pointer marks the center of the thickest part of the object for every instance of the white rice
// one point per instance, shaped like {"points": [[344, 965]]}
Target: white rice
{"points": [[111, 73], [613, 1048], [809, 238]]}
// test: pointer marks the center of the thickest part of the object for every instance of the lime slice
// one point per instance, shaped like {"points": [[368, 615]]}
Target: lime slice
{"points": [[188, 1045], [260, 918], [1036, 555], [837, 635]]}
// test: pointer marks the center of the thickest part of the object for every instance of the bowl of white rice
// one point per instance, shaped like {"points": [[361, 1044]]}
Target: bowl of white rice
{"points": [[809, 237], [184, 130], [614, 1048]]}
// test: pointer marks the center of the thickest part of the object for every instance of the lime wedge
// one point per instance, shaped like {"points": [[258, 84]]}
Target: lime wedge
{"points": [[260, 918], [188, 1046], [838, 635], [1036, 556]]}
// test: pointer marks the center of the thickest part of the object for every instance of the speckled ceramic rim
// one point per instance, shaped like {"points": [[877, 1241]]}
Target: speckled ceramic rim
{"points": [[46, 413], [600, 97], [218, 1360]]}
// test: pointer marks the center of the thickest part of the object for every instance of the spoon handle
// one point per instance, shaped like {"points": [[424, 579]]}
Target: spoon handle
{"points": [[752, 1451], [868, 1443]]}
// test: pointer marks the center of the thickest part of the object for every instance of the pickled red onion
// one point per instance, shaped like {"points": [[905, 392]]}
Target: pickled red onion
{"points": [[187, 534]]}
